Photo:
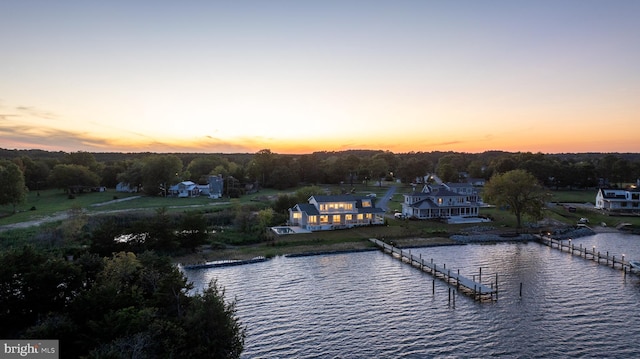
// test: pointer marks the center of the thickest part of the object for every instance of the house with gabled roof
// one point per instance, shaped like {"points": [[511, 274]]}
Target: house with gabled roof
{"points": [[618, 200], [184, 189], [454, 202], [336, 212]]}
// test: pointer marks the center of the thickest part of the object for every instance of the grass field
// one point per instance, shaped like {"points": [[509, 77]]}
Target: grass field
{"points": [[50, 202]]}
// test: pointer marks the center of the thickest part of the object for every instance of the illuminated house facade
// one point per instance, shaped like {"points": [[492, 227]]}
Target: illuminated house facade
{"points": [[445, 201], [618, 200], [335, 212]]}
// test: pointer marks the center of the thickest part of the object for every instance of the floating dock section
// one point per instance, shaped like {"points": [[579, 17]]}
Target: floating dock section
{"points": [[475, 289], [565, 245]]}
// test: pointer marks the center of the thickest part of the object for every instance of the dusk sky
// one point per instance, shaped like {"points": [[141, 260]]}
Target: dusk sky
{"points": [[303, 76]]}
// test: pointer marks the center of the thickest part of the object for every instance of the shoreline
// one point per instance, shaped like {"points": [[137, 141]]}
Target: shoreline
{"points": [[249, 253]]}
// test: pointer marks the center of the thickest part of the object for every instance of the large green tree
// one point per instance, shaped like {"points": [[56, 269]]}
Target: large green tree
{"points": [[160, 172], [12, 188], [71, 176], [519, 190]]}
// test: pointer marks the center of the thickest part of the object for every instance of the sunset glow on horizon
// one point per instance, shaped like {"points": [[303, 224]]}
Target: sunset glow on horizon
{"points": [[299, 77]]}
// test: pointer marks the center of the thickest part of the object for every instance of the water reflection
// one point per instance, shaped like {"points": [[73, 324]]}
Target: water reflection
{"points": [[370, 305]]}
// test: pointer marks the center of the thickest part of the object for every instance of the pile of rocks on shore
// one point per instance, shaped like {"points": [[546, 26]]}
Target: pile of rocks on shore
{"points": [[475, 235]]}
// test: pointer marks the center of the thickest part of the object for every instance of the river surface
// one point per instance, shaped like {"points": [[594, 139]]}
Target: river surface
{"points": [[370, 305]]}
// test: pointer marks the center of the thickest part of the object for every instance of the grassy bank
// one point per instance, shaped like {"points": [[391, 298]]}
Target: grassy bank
{"points": [[403, 232]]}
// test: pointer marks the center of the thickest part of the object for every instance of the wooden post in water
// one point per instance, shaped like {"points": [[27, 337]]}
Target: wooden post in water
{"points": [[433, 287], [480, 276], [520, 289], [608, 258], [449, 295], [458, 280], [496, 285], [454, 299]]}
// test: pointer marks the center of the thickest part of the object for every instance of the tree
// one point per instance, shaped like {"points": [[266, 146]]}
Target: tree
{"points": [[519, 190], [132, 175], [35, 173], [12, 189], [213, 327], [69, 176], [83, 159], [262, 166], [159, 172], [201, 167]]}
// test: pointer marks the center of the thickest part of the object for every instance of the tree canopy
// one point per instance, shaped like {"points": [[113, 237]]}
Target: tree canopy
{"points": [[519, 190], [12, 188], [117, 307]]}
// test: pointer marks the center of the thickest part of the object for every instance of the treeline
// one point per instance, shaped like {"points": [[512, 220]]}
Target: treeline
{"points": [[154, 173]]}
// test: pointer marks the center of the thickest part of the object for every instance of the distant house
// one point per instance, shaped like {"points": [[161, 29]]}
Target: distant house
{"points": [[476, 182], [449, 201], [618, 200], [215, 187], [335, 212], [125, 187], [184, 189]]}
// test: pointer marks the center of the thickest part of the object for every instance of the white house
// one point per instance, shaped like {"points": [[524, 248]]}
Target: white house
{"points": [[459, 201], [184, 189], [125, 187], [335, 212], [618, 200]]}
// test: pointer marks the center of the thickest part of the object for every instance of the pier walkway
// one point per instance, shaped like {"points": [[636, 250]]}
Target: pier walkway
{"points": [[565, 245], [475, 289]]}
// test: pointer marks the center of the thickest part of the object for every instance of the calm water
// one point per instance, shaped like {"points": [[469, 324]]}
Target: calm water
{"points": [[365, 305]]}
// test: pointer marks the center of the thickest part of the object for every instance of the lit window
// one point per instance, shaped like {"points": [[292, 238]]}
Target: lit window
{"points": [[324, 219], [313, 219], [348, 217], [366, 203], [336, 218], [297, 215]]}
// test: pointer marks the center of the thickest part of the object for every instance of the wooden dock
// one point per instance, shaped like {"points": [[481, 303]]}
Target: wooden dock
{"points": [[475, 289], [565, 245]]}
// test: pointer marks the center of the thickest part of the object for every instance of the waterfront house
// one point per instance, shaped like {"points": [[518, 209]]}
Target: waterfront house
{"points": [[336, 212], [618, 200], [454, 202]]}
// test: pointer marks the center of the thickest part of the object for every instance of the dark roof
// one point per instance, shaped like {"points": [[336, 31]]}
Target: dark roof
{"points": [[307, 208], [444, 192], [370, 210], [339, 198], [450, 184]]}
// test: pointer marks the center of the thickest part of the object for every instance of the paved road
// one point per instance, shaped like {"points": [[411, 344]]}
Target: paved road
{"points": [[384, 201], [60, 216]]}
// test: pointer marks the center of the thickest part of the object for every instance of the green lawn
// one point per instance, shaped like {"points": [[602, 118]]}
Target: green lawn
{"points": [[581, 196]]}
